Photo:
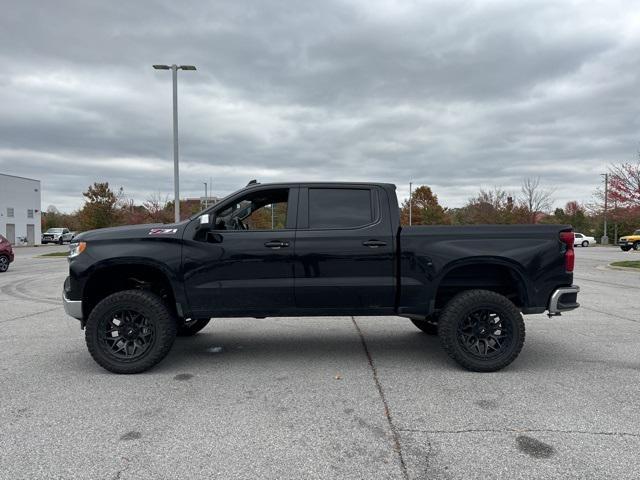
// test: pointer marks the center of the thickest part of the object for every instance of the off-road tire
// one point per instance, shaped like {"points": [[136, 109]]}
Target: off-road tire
{"points": [[428, 325], [457, 310], [146, 303], [193, 327], [4, 263]]}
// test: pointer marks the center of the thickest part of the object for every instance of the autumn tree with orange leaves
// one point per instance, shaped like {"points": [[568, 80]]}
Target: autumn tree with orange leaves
{"points": [[425, 209]]}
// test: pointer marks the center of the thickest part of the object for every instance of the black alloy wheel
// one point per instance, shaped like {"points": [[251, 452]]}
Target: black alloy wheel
{"points": [[130, 331], [127, 334], [481, 330], [483, 334], [4, 263]]}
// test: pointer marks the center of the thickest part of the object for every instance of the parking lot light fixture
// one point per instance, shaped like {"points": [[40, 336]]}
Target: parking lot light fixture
{"points": [[176, 170]]}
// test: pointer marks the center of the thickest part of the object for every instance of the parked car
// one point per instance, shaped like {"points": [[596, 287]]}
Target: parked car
{"points": [[6, 254], [307, 249], [628, 242], [57, 235], [583, 240]]}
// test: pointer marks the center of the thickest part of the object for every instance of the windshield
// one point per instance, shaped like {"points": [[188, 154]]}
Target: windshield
{"points": [[54, 230]]}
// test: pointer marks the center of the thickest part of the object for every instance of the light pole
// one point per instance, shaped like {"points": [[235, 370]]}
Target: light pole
{"points": [[410, 202], [605, 238], [176, 171]]}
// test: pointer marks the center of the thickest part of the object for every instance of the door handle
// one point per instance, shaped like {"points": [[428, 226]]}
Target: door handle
{"points": [[374, 243], [276, 244]]}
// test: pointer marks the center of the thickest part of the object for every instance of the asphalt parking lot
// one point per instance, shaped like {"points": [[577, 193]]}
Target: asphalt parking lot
{"points": [[293, 398]]}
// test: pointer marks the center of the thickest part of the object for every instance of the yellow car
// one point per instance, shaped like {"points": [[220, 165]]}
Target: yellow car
{"points": [[630, 241]]}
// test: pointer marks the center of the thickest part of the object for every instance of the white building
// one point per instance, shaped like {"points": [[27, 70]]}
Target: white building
{"points": [[20, 209]]}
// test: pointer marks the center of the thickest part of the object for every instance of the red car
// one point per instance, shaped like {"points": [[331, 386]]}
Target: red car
{"points": [[6, 254]]}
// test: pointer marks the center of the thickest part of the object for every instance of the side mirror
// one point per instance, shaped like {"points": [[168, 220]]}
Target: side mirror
{"points": [[205, 222]]}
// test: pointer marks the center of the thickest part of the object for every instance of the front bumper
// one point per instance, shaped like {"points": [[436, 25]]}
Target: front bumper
{"points": [[564, 299], [73, 308]]}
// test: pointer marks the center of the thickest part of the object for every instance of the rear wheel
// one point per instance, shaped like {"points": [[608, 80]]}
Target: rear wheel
{"points": [[188, 329], [625, 249], [4, 263], [481, 330], [429, 325], [130, 331], [636, 246], [585, 244]]}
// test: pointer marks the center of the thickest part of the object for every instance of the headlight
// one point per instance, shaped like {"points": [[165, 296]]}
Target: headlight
{"points": [[76, 249]]}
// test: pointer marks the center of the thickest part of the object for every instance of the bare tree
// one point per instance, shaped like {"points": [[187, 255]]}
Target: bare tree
{"points": [[534, 198], [156, 207]]}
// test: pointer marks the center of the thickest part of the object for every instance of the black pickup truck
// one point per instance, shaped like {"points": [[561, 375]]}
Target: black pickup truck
{"points": [[307, 249]]}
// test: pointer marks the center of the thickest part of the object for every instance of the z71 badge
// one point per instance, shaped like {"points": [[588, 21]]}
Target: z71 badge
{"points": [[162, 231]]}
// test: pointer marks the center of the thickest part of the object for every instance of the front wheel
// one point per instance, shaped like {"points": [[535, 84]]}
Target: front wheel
{"points": [[481, 330], [625, 249], [130, 331], [585, 244], [188, 329], [636, 246]]}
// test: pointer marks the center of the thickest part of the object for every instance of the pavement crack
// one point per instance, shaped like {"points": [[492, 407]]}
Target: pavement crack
{"points": [[395, 433], [520, 430]]}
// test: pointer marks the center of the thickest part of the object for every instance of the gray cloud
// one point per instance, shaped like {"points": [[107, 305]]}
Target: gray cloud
{"points": [[456, 95]]}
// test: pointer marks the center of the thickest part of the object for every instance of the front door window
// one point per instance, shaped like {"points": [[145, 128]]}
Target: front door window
{"points": [[262, 210]]}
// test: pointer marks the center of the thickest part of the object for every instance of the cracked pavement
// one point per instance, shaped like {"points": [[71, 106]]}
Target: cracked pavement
{"points": [[322, 397]]}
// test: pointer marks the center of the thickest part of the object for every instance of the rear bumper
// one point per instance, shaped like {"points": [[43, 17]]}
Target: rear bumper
{"points": [[564, 299], [73, 308]]}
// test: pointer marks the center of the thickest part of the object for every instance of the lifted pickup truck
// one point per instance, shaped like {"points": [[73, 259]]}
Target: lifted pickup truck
{"points": [[306, 249]]}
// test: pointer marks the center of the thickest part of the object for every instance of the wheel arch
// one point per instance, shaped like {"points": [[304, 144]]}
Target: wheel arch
{"points": [[497, 274], [111, 276]]}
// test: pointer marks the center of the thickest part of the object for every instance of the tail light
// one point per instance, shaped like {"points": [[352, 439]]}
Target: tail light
{"points": [[568, 238]]}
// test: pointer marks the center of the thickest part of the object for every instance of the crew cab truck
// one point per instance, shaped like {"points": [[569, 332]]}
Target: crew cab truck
{"points": [[308, 249]]}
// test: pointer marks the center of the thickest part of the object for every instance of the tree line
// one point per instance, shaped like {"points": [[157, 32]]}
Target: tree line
{"points": [[531, 204], [103, 207]]}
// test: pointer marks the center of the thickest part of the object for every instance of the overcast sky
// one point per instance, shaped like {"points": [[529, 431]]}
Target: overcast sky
{"points": [[456, 95]]}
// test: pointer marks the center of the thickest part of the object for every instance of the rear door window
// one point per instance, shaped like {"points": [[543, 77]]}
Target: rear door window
{"points": [[339, 207]]}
